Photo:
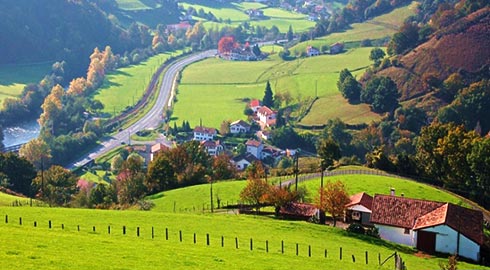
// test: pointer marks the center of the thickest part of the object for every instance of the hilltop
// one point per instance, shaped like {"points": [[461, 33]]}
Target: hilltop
{"points": [[460, 47]]}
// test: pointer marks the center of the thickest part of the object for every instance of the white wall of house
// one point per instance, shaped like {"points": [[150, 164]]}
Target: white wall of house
{"points": [[446, 242], [199, 136], [396, 234], [242, 164], [256, 151], [237, 129]]}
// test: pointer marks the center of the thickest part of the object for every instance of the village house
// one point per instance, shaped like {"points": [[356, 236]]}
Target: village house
{"points": [[214, 148], [204, 134], [255, 148], [429, 226], [241, 162], [299, 211], [255, 14], [359, 209], [171, 28], [267, 117], [312, 51], [336, 48], [239, 126], [255, 105], [157, 148]]}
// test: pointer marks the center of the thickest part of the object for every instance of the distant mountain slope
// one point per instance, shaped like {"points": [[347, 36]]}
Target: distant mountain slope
{"points": [[461, 47]]}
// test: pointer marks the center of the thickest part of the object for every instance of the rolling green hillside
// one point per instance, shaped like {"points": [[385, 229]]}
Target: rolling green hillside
{"points": [[25, 246], [13, 78]]}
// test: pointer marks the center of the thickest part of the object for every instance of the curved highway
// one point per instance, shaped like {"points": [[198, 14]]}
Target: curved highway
{"points": [[153, 118]]}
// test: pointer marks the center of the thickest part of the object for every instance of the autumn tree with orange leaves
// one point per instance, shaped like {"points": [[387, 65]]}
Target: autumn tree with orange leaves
{"points": [[332, 199], [226, 44]]}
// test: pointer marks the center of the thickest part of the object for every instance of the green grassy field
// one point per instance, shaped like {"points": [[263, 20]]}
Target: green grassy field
{"points": [[137, 4], [224, 89], [379, 27], [195, 198], [28, 247], [125, 86], [13, 78], [235, 13]]}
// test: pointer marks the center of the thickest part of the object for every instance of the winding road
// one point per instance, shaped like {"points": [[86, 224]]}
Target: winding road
{"points": [[153, 118]]}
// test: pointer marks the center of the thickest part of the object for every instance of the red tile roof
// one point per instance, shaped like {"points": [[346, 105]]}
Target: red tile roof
{"points": [[265, 110], [418, 214], [468, 222], [205, 130], [159, 146], [255, 103], [253, 143], [241, 123], [400, 211], [299, 209], [361, 198]]}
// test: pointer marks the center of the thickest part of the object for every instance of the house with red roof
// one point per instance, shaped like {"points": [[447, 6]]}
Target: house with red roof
{"points": [[267, 117], [359, 208], [429, 226], [255, 148], [157, 148], [204, 134], [214, 148], [255, 105], [241, 162]]}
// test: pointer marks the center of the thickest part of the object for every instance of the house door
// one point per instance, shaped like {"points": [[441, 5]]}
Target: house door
{"points": [[426, 241]]}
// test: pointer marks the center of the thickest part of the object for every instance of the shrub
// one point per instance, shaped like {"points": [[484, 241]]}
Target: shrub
{"points": [[374, 232], [356, 228]]}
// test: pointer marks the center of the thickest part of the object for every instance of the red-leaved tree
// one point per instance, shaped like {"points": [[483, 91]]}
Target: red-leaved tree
{"points": [[226, 44]]}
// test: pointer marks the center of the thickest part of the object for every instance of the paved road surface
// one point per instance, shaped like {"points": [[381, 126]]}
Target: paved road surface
{"points": [[153, 118]]}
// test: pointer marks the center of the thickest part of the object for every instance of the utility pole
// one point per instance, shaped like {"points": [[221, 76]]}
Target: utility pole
{"points": [[211, 196], [296, 170]]}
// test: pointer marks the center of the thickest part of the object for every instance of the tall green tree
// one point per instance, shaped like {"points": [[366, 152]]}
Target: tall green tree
{"points": [[37, 152], [268, 99], [376, 55], [290, 34], [18, 173], [56, 186]]}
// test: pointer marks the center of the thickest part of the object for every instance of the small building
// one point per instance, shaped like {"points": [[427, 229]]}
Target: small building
{"points": [[299, 211], [255, 148], [204, 133], [336, 48], [267, 117], [157, 148], [255, 105], [312, 51], [359, 209], [239, 126], [241, 162], [184, 26], [429, 226], [214, 148]]}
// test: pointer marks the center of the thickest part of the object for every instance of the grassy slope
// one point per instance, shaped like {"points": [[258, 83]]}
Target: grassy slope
{"points": [[379, 27], [44, 248], [13, 78], [223, 89], [136, 4], [7, 199], [125, 86]]}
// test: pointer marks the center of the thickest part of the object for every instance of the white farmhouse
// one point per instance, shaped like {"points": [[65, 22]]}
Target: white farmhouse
{"points": [[428, 225], [204, 134]]}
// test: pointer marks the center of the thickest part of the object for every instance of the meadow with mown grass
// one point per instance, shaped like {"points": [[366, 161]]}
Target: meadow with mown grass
{"points": [[14, 77], [125, 86], [214, 90]]}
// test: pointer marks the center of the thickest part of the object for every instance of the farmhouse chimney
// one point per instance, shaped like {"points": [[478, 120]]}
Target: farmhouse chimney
{"points": [[392, 191]]}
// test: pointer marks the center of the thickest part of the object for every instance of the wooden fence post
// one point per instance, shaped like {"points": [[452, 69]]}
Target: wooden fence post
{"points": [[124, 230], [93, 228], [180, 235], [309, 250], [340, 253], [166, 233], [152, 232], [35, 224], [267, 246], [222, 241], [297, 249], [367, 257], [236, 242], [194, 238], [353, 258], [326, 253], [78, 227], [379, 258], [251, 244], [109, 229], [62, 226], [6, 218], [138, 231], [49, 224], [20, 221], [282, 246], [207, 239]]}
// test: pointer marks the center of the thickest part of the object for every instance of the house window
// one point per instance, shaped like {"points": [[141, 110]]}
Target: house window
{"points": [[356, 215], [407, 231]]}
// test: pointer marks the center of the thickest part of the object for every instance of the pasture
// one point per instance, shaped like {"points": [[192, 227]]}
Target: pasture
{"points": [[224, 89], [79, 246], [377, 28], [125, 86], [137, 4], [13, 78]]}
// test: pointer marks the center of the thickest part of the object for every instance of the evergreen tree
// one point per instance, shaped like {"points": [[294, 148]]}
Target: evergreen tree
{"points": [[290, 34], [268, 99]]}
